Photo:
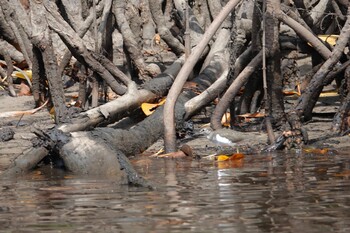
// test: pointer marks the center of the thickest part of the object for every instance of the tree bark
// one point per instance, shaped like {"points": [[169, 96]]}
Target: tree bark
{"points": [[275, 102], [309, 98], [42, 41], [305, 34], [80, 52], [130, 42], [341, 118], [176, 46], [80, 27], [18, 29]]}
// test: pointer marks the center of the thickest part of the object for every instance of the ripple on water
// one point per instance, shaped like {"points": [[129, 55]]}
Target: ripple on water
{"points": [[264, 193]]}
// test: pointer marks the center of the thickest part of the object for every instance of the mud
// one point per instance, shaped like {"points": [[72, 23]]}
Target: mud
{"points": [[17, 131]]}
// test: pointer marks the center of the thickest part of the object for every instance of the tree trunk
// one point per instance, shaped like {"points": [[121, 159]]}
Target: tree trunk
{"points": [[275, 102], [41, 39], [341, 122]]}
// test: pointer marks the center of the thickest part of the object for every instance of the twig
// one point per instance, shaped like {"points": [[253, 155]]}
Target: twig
{"points": [[21, 113]]}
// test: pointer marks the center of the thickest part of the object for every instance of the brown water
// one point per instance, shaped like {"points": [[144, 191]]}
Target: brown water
{"points": [[262, 193]]}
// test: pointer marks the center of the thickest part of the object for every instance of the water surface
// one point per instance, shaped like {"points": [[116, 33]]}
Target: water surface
{"points": [[261, 193]]}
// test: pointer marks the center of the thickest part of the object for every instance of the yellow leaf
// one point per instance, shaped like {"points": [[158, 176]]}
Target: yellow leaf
{"points": [[329, 94], [225, 120], [149, 108], [330, 39], [222, 158], [21, 75], [316, 151]]}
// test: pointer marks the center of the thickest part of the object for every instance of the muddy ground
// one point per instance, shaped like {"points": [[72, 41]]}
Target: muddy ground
{"points": [[22, 124]]}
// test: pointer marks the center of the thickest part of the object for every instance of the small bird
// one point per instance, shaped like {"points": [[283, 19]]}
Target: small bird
{"points": [[224, 137], [228, 137]]}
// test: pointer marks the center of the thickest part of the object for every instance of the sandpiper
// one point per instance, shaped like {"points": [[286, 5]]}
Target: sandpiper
{"points": [[224, 137], [230, 138]]}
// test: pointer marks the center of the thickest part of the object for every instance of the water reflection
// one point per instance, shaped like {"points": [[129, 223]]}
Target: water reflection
{"points": [[262, 193]]}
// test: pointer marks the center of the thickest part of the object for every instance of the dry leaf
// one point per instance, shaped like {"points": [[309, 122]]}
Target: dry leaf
{"points": [[149, 108], [231, 164], [21, 75], [329, 94], [221, 158], [237, 156], [290, 92], [24, 90], [330, 39], [225, 120], [316, 151]]}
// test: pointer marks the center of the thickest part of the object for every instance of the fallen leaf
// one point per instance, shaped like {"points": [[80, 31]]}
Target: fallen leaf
{"points": [[316, 151], [231, 164], [20, 75], [24, 90], [149, 108], [329, 94], [225, 120], [290, 92], [237, 156], [221, 158], [330, 39]]}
